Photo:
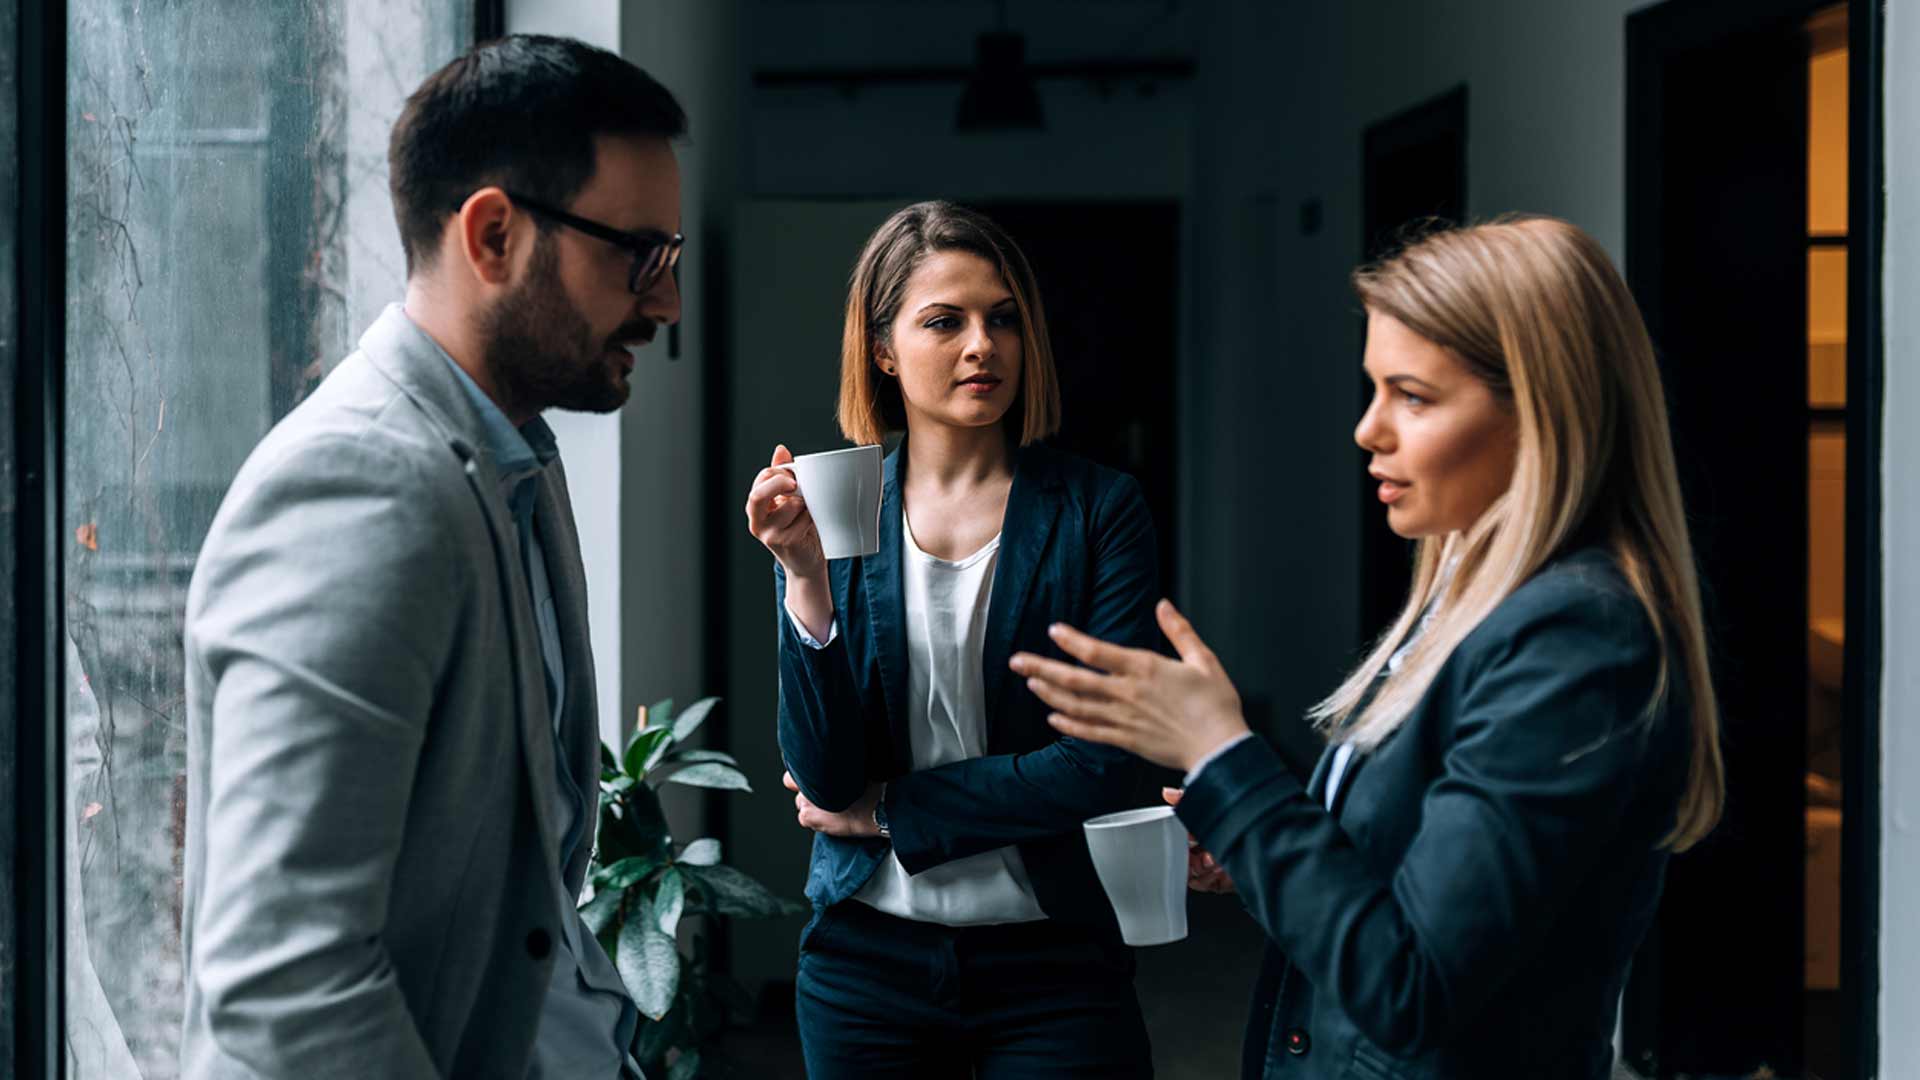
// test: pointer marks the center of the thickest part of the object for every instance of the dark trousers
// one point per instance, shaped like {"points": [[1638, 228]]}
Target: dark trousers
{"points": [[881, 997]]}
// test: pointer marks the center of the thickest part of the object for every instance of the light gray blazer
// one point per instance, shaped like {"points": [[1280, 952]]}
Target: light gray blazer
{"points": [[370, 864]]}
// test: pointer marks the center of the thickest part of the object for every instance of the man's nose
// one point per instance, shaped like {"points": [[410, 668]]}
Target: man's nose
{"points": [[661, 301]]}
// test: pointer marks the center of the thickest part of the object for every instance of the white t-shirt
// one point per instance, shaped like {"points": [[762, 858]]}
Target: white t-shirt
{"points": [[946, 611]]}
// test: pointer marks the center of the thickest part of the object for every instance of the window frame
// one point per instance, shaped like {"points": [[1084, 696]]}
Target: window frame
{"points": [[39, 1020], [1860, 846]]}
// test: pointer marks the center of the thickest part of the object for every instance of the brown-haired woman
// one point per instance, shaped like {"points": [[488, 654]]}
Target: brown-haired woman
{"points": [[1457, 891], [959, 930]]}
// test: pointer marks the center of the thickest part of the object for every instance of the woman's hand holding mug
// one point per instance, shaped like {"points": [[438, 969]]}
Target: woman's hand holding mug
{"points": [[777, 517], [1204, 874]]}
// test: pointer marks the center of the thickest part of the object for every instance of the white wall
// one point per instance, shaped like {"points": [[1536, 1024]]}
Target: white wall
{"points": [[589, 444], [636, 476], [596, 22], [694, 47], [1900, 477]]}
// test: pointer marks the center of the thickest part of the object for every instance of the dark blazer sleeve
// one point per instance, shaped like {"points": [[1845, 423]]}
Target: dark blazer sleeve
{"points": [[967, 807], [822, 720], [1549, 736]]}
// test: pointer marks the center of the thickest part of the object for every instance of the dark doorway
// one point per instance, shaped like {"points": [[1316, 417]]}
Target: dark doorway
{"points": [[1413, 176], [1737, 251], [1109, 277]]}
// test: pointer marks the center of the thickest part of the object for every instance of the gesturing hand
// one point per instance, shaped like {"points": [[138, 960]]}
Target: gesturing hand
{"points": [[855, 820], [777, 517], [1171, 712]]}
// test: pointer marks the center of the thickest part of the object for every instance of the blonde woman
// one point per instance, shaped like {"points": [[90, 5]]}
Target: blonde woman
{"points": [[959, 931], [1458, 890]]}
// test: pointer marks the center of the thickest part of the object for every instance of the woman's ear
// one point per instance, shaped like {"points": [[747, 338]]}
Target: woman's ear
{"points": [[883, 359]]}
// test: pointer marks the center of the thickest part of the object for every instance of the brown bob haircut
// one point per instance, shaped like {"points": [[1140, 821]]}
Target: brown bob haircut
{"points": [[870, 402]]}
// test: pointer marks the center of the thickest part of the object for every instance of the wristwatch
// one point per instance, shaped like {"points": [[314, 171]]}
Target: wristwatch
{"points": [[880, 814]]}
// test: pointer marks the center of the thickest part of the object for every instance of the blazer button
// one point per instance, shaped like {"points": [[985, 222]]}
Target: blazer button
{"points": [[539, 944], [1297, 1043]]}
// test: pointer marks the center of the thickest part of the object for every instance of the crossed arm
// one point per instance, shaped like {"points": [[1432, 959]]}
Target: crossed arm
{"points": [[966, 807]]}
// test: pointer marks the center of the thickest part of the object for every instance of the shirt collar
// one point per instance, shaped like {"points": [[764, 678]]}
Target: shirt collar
{"points": [[516, 452]]}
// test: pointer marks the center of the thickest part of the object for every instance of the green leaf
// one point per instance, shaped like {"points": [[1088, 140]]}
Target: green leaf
{"points": [[702, 852], [607, 760], [620, 783], [681, 759], [710, 774], [623, 873], [685, 1067], [658, 752], [692, 718], [669, 898], [660, 715], [690, 757], [599, 912], [729, 892], [649, 964], [642, 749]]}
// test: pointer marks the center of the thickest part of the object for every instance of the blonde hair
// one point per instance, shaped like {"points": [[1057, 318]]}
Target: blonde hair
{"points": [[870, 402], [1535, 309]]}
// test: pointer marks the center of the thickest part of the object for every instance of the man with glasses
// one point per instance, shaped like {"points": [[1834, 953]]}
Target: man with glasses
{"points": [[392, 749]]}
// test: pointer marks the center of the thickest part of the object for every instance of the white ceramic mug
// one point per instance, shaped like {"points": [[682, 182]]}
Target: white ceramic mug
{"points": [[842, 490], [1141, 857]]}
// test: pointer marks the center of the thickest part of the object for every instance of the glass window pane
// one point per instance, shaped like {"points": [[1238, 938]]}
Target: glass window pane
{"points": [[228, 235]]}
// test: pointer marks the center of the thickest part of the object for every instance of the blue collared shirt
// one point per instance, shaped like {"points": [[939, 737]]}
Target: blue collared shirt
{"points": [[583, 1031]]}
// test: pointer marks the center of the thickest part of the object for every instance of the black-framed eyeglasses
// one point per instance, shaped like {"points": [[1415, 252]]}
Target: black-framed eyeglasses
{"points": [[654, 252]]}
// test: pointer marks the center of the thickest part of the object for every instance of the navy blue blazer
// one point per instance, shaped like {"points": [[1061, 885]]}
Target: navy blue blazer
{"points": [[1077, 546], [1469, 908]]}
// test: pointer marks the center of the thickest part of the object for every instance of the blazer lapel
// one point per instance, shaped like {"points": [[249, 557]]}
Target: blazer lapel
{"points": [[523, 636], [1032, 508], [1355, 762], [580, 726], [1317, 783], [886, 612]]}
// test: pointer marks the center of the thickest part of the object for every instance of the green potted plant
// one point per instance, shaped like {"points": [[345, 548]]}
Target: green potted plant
{"points": [[644, 884]]}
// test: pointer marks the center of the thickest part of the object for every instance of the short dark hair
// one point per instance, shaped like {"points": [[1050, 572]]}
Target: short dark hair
{"points": [[521, 112]]}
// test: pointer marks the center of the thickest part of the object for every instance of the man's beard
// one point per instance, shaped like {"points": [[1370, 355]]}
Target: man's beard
{"points": [[540, 351]]}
